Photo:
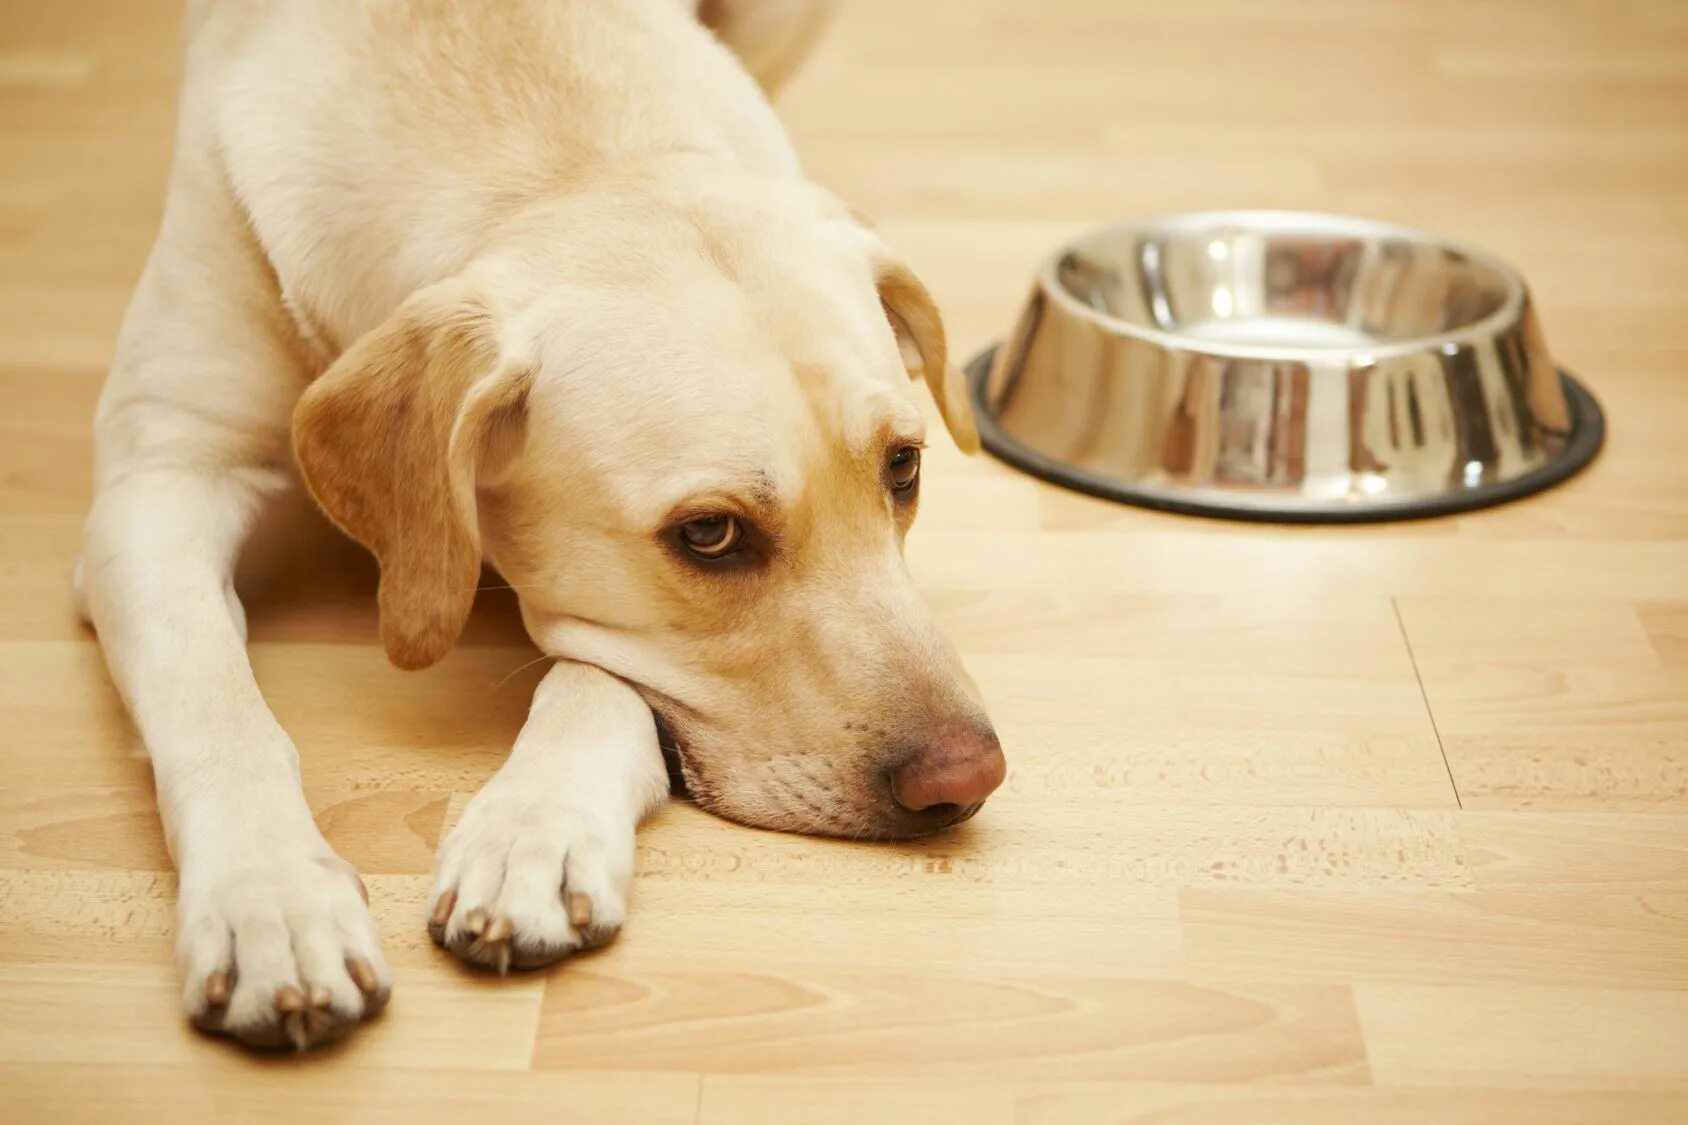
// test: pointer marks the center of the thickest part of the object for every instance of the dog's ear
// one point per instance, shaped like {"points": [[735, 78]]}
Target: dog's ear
{"points": [[920, 337], [392, 439]]}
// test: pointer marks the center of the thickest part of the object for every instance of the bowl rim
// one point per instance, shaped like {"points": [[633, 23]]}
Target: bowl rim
{"points": [[1288, 221]]}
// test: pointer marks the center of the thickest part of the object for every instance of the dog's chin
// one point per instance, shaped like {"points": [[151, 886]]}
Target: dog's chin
{"points": [[878, 825]]}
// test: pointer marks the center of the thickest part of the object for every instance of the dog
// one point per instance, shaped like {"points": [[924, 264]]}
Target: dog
{"points": [[537, 286]]}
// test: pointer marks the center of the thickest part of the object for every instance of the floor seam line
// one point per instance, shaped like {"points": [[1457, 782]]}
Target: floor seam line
{"points": [[1424, 694]]}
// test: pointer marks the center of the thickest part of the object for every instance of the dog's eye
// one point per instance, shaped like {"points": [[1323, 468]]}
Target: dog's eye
{"points": [[711, 537], [905, 468]]}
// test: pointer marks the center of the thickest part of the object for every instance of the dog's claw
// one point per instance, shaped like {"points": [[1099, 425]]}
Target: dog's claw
{"points": [[580, 910], [289, 999], [494, 943], [476, 921], [217, 989], [442, 914], [363, 975], [297, 1029]]}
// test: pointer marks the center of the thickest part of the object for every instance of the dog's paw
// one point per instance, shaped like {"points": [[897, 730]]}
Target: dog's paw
{"points": [[281, 952], [523, 882]]}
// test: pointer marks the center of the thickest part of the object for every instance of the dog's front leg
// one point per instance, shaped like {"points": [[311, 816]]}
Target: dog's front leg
{"points": [[539, 864], [276, 945]]}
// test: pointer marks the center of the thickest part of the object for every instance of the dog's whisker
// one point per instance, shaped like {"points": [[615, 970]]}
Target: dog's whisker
{"points": [[519, 670]]}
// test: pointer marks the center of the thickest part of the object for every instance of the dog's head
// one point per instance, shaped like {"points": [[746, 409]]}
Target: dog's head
{"points": [[687, 436]]}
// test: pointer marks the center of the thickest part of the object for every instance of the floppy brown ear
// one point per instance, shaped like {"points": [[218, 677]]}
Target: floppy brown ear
{"points": [[390, 441], [920, 337]]}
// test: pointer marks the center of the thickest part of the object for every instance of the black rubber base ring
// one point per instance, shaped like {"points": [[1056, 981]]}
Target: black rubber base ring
{"points": [[1588, 433]]}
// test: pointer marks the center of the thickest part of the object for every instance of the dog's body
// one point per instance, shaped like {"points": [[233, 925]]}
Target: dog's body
{"points": [[537, 283]]}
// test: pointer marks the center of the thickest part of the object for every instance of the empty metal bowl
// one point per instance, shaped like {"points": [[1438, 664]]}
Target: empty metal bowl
{"points": [[1283, 366]]}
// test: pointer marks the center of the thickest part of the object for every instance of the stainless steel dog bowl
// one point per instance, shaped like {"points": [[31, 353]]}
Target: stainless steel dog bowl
{"points": [[1283, 366]]}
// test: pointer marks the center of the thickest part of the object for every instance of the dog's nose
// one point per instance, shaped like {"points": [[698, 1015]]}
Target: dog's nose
{"points": [[960, 767]]}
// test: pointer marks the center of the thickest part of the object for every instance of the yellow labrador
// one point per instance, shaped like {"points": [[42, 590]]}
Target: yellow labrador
{"points": [[537, 284]]}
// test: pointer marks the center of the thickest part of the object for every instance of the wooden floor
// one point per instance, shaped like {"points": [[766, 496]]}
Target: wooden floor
{"points": [[1366, 824]]}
